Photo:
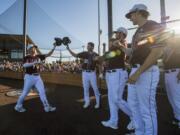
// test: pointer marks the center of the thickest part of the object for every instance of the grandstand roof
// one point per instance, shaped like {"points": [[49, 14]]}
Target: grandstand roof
{"points": [[18, 38]]}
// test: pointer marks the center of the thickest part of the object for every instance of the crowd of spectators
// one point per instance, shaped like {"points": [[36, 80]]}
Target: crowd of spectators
{"points": [[60, 67]]}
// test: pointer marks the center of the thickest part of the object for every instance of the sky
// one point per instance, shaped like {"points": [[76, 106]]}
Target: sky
{"points": [[75, 18]]}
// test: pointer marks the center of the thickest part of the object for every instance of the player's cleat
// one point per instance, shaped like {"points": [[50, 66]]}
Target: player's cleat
{"points": [[97, 106], [49, 109], [86, 105], [19, 109], [130, 133], [175, 121], [109, 124], [131, 125]]}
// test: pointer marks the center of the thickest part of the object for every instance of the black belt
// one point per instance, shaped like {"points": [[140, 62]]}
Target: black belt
{"points": [[135, 65], [88, 70], [111, 71], [35, 74], [170, 70], [114, 70]]}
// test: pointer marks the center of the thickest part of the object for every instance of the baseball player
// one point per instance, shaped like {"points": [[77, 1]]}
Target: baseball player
{"points": [[144, 76], [32, 78], [172, 77], [88, 74], [116, 78]]}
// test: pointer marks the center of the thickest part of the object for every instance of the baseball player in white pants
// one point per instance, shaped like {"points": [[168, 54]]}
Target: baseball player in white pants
{"points": [[88, 74], [116, 83], [173, 92], [32, 78], [144, 76], [142, 101], [172, 77], [89, 79], [116, 78]]}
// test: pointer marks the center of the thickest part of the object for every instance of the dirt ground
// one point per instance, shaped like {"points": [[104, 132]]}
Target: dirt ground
{"points": [[70, 118]]}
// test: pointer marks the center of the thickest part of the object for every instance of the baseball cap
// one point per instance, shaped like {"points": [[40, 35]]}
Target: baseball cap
{"points": [[136, 7], [30, 46], [122, 29]]}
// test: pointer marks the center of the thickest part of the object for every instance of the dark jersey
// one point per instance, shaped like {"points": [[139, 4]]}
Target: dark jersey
{"points": [[116, 62], [141, 52], [171, 58], [88, 62], [30, 59]]}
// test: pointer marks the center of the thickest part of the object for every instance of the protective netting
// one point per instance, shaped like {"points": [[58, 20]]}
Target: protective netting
{"points": [[41, 28], [11, 20]]}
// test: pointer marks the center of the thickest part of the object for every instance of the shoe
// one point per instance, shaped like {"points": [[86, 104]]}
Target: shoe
{"points": [[133, 133], [49, 109], [86, 105], [175, 121], [97, 106], [130, 132], [109, 124], [131, 125], [19, 109]]}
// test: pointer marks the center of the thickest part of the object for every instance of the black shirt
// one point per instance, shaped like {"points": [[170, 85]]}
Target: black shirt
{"points": [[171, 59], [141, 52], [88, 62], [116, 62], [30, 59]]}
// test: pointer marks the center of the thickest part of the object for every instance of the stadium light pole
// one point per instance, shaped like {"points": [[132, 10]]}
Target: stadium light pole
{"points": [[110, 20], [104, 48], [83, 47], [60, 53], [163, 12], [99, 29], [24, 28]]}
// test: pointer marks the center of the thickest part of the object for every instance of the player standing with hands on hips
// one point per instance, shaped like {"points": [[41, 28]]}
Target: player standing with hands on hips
{"points": [[88, 73], [32, 78], [144, 76]]}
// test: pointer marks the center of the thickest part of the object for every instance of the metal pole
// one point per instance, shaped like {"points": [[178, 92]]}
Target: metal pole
{"points": [[60, 58], [24, 27], [99, 31], [110, 20], [163, 12], [104, 48], [83, 47]]}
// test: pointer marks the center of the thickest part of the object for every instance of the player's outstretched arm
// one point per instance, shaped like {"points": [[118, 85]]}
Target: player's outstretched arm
{"points": [[26, 65], [51, 52], [71, 52]]}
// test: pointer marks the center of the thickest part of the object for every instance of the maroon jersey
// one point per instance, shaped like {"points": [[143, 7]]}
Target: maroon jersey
{"points": [[140, 53], [88, 62], [117, 61], [30, 59]]}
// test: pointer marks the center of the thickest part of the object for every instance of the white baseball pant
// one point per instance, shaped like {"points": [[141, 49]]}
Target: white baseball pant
{"points": [[116, 82], [89, 78], [29, 82], [173, 91], [142, 101]]}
